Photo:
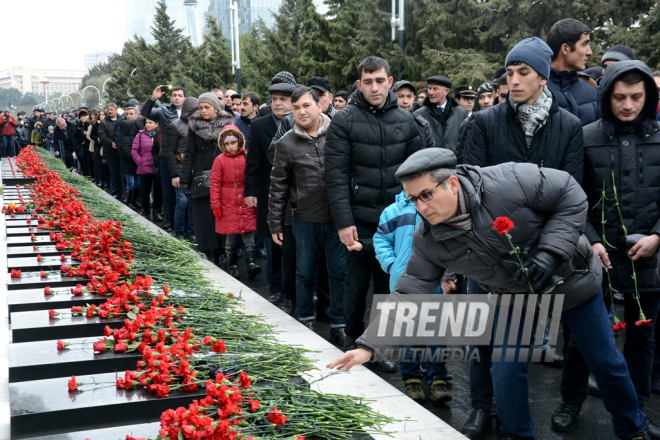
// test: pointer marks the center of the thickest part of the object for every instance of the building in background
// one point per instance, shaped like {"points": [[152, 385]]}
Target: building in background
{"points": [[98, 57], [26, 79], [140, 16]]}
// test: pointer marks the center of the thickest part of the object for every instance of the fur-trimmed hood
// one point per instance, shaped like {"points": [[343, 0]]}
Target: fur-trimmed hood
{"points": [[209, 130], [234, 131]]}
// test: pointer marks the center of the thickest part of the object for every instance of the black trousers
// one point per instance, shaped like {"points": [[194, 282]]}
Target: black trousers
{"points": [[147, 181], [360, 269]]}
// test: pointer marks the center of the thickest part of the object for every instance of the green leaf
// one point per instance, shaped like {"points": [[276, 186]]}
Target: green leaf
{"points": [[131, 315]]}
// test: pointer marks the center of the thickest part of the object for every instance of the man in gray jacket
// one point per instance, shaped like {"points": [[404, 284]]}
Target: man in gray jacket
{"points": [[548, 210]]}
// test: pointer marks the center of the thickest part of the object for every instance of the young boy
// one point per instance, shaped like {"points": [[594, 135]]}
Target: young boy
{"points": [[50, 137], [393, 243]]}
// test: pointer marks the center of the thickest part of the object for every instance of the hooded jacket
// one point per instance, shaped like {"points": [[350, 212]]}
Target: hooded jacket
{"points": [[143, 151], [575, 95], [298, 177], [364, 147], [632, 153], [228, 186], [128, 130], [176, 135], [393, 240], [495, 136], [444, 125]]}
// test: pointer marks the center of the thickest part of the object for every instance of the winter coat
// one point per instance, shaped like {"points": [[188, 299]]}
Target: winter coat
{"points": [[128, 130], [94, 136], [393, 240], [164, 115], [495, 137], [49, 139], [8, 125], [548, 209], [107, 132], [364, 147], [176, 135], [298, 177], [633, 155], [47, 123], [26, 134], [257, 169], [201, 144], [245, 125], [444, 126], [575, 95], [65, 138], [142, 152], [227, 190]]}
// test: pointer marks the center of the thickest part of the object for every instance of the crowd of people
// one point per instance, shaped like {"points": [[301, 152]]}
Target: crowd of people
{"points": [[311, 181]]}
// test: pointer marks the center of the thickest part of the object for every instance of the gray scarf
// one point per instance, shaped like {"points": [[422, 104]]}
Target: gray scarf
{"points": [[533, 117], [463, 219]]}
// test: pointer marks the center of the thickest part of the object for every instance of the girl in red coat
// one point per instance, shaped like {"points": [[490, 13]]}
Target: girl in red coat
{"points": [[233, 217]]}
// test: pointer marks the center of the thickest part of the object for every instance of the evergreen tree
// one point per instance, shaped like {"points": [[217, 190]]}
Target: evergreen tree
{"points": [[171, 45]]}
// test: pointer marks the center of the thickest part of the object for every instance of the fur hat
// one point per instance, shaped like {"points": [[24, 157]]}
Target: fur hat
{"points": [[231, 130]]}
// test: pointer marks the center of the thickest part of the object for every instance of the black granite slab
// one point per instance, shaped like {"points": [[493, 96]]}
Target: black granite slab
{"points": [[60, 298], [33, 280], [28, 231], [47, 407], [144, 430], [37, 326], [28, 251], [42, 360], [48, 262], [11, 180], [23, 240]]}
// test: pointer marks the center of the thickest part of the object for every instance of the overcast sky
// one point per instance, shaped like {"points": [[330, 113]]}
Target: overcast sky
{"points": [[57, 34]]}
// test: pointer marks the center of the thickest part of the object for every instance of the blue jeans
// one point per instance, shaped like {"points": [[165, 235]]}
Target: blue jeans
{"points": [[132, 182], [8, 145], [169, 196], [183, 212], [311, 239], [591, 329], [115, 175], [410, 363]]}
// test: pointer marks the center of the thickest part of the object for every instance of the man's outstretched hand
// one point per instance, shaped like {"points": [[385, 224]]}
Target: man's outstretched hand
{"points": [[350, 359]]}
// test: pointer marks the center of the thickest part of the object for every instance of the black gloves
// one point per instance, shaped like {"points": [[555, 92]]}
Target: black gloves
{"points": [[540, 270], [185, 188]]}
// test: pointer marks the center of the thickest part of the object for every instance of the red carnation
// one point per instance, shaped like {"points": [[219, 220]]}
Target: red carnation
{"points": [[47, 290], [276, 417], [208, 340], [73, 385], [121, 347], [78, 290], [245, 380], [503, 225], [218, 347], [619, 326], [99, 346], [62, 345], [76, 309], [39, 257], [62, 257], [254, 405], [65, 268], [42, 274], [51, 314], [643, 323]]}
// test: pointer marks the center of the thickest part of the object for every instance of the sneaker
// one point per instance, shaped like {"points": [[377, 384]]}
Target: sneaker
{"points": [[413, 389], [439, 391]]}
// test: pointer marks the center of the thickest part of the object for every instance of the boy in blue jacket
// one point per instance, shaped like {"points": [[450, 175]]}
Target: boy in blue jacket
{"points": [[393, 243]]}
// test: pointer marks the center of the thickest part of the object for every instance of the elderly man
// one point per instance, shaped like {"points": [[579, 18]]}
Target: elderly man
{"points": [[442, 112], [548, 210]]}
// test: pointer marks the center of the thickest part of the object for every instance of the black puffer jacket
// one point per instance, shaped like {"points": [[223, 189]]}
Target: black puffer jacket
{"points": [[495, 137], [107, 131], [632, 153], [176, 136], [444, 126], [575, 95], [298, 177], [364, 147]]}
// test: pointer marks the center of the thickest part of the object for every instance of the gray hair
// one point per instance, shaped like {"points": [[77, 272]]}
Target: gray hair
{"points": [[438, 175], [60, 120]]}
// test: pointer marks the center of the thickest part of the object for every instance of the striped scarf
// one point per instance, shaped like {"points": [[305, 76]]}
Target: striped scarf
{"points": [[463, 219]]}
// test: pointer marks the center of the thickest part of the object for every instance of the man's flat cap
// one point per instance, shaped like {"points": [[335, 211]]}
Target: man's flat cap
{"points": [[283, 88], [426, 160], [440, 79]]}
